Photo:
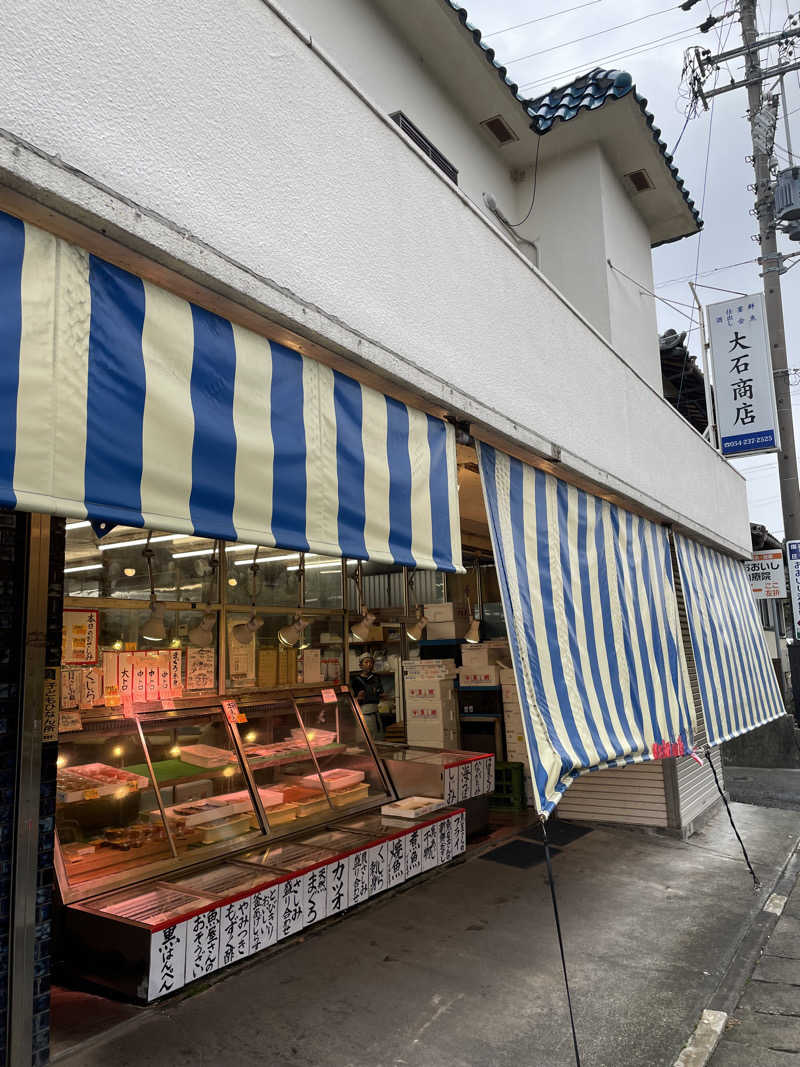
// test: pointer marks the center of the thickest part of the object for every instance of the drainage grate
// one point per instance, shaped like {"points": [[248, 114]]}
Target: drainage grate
{"points": [[516, 853]]}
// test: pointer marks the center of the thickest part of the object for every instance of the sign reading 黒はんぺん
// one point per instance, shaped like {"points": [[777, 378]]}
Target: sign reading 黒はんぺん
{"points": [[743, 383]]}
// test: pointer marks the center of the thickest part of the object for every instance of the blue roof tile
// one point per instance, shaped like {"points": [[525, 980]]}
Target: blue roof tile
{"points": [[587, 93]]}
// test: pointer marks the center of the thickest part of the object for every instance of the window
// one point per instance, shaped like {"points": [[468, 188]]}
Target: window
{"points": [[421, 141]]}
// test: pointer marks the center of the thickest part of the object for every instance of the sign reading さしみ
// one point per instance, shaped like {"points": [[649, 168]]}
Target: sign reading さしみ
{"points": [[743, 384], [766, 574]]}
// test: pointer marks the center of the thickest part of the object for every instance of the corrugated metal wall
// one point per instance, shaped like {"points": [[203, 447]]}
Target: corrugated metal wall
{"points": [[690, 787], [633, 794]]}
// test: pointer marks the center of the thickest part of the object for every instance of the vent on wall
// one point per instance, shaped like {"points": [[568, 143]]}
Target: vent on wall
{"points": [[500, 129], [638, 181], [421, 141]]}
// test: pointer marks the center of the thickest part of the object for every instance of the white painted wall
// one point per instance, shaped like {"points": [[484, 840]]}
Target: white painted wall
{"points": [[252, 161], [567, 226], [396, 78], [632, 311]]}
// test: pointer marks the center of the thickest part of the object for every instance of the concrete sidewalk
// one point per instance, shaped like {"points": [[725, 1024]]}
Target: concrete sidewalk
{"points": [[764, 1029], [463, 969], [769, 787]]}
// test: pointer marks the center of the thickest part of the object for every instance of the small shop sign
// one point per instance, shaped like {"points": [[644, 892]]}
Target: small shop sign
{"points": [[766, 574]]}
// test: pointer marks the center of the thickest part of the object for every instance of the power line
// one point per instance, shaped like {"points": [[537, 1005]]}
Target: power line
{"points": [[586, 37], [625, 53], [706, 273], [542, 18]]}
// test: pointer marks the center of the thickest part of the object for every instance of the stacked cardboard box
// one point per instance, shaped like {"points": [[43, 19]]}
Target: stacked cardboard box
{"points": [[431, 705], [516, 749], [446, 622], [481, 664]]}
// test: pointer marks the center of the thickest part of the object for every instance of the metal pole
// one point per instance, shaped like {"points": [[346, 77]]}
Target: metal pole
{"points": [[765, 210], [712, 423]]}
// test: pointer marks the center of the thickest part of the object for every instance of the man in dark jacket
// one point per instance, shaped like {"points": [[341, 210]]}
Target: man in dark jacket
{"points": [[367, 688]]}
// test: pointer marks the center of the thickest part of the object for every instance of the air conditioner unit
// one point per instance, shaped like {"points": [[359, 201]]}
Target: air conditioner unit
{"points": [[787, 194]]}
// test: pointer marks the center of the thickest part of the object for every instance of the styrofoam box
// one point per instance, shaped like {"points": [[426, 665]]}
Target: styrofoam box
{"points": [[487, 676], [427, 688]]}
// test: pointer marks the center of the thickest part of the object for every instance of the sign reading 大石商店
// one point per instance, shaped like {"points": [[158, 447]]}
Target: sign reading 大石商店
{"points": [[766, 574], [793, 558], [743, 384]]}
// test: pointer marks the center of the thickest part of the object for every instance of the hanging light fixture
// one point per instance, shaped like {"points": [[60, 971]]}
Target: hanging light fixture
{"points": [[243, 632], [416, 630], [154, 629], [203, 634], [360, 630], [473, 634], [294, 635]]}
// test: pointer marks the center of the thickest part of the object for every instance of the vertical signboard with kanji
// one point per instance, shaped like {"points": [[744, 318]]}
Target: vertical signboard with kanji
{"points": [[793, 559], [743, 383]]}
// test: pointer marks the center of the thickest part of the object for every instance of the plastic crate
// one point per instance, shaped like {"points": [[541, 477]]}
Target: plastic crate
{"points": [[509, 787]]}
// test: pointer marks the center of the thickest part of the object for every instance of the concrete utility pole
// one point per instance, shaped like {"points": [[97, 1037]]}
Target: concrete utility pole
{"points": [[771, 263]]}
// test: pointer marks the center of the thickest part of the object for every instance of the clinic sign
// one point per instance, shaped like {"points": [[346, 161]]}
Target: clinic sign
{"points": [[793, 558], [743, 384], [766, 574]]}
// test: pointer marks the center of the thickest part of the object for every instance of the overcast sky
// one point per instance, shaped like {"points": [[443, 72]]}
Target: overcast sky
{"points": [[726, 238]]}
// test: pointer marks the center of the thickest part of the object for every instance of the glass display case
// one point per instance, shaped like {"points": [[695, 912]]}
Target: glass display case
{"points": [[167, 788]]}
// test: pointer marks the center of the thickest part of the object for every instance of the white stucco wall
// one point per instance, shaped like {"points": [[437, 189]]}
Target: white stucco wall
{"points": [[225, 142], [632, 310], [567, 226]]}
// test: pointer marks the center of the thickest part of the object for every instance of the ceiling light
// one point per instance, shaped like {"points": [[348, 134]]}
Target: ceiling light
{"points": [[88, 567], [415, 632], [209, 551], [269, 559], [233, 581], [202, 635], [293, 635], [324, 563], [360, 632], [154, 629], [243, 632], [129, 572], [142, 541], [78, 525]]}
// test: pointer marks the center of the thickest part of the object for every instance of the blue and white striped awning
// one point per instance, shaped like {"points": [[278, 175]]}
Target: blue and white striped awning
{"points": [[593, 623], [123, 403], [738, 687]]}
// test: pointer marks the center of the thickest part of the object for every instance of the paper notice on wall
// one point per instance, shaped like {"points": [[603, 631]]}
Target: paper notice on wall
{"points": [[90, 688], [79, 637], [139, 679], [50, 704], [152, 676], [200, 668], [241, 658], [70, 688], [164, 684], [125, 676], [175, 672]]}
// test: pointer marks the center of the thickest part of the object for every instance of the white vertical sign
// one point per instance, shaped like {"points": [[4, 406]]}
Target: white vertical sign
{"points": [[743, 383], [793, 558], [766, 574]]}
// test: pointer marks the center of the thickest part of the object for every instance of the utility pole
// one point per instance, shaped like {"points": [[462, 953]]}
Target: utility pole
{"points": [[771, 264]]}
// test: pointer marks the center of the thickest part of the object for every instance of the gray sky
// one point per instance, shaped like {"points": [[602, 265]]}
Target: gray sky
{"points": [[657, 74]]}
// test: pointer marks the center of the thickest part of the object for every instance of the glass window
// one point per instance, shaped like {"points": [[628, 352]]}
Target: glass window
{"points": [[115, 566], [283, 650], [107, 813], [205, 795], [275, 583]]}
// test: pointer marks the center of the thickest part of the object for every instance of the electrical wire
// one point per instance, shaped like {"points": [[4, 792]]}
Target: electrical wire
{"points": [[706, 273], [514, 225], [625, 53], [588, 36], [672, 305], [542, 18]]}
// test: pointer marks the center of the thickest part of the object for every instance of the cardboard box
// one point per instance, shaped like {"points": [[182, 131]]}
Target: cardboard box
{"points": [[507, 676], [429, 689], [483, 676], [447, 631], [484, 655], [510, 694], [267, 667], [448, 612]]}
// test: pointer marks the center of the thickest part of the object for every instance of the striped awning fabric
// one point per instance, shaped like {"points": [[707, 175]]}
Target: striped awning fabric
{"points": [[738, 687], [123, 403], [593, 624]]}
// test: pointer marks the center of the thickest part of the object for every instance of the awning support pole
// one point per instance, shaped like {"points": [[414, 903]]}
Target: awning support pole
{"points": [[552, 881], [756, 881]]}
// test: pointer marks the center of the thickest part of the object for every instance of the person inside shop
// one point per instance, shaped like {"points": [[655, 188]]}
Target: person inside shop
{"points": [[367, 689]]}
